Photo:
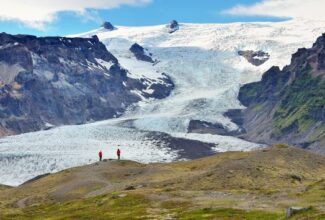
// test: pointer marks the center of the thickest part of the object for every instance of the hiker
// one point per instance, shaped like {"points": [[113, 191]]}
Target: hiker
{"points": [[100, 154], [118, 154]]}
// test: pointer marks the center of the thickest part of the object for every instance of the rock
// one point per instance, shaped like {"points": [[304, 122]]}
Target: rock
{"points": [[202, 127], [130, 188], [108, 26], [173, 26], [122, 195], [119, 196], [294, 210], [95, 37], [296, 177], [48, 126], [134, 187], [169, 217], [140, 53], [256, 58], [139, 186]]}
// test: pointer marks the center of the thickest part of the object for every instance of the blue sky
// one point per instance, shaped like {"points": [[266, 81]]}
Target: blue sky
{"points": [[70, 19]]}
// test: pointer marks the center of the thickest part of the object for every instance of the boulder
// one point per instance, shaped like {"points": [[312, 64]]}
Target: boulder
{"points": [[291, 211]]}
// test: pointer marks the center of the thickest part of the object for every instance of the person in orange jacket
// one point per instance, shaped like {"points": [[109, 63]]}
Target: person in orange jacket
{"points": [[100, 154], [118, 154]]}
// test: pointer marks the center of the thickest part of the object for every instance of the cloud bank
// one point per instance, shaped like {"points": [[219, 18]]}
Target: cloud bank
{"points": [[309, 9], [38, 13]]}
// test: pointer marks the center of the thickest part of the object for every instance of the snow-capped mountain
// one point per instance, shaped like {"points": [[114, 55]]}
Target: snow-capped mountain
{"points": [[53, 81], [204, 64]]}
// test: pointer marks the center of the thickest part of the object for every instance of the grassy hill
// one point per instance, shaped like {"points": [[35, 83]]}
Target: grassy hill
{"points": [[234, 185], [3, 187]]}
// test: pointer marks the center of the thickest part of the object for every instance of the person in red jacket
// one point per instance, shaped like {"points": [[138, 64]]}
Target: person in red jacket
{"points": [[118, 154], [100, 154]]}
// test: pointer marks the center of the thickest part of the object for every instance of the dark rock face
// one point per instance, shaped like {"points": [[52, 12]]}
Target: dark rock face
{"points": [[203, 127], [256, 58], [108, 26], [288, 106], [160, 90], [173, 26], [236, 117], [54, 81], [187, 149], [265, 91], [140, 53]]}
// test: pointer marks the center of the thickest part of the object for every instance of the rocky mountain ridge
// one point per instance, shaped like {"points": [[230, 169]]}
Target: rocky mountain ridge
{"points": [[51, 81], [289, 105]]}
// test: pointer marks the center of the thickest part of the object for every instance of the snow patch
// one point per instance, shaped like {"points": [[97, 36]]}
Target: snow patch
{"points": [[105, 64]]}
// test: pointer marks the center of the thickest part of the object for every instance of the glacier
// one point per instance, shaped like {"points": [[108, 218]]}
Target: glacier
{"points": [[203, 62]]}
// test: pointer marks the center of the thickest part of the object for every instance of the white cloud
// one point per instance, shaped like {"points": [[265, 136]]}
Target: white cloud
{"points": [[310, 9], [38, 13]]}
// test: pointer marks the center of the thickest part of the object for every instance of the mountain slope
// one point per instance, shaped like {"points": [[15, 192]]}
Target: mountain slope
{"points": [[54, 81], [288, 105], [239, 180]]}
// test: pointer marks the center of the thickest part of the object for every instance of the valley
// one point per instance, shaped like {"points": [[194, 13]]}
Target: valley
{"points": [[203, 63]]}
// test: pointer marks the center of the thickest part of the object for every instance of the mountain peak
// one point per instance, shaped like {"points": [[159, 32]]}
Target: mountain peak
{"points": [[173, 26], [107, 25]]}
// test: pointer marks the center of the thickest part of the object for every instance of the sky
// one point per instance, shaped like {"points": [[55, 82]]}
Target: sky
{"points": [[63, 17]]}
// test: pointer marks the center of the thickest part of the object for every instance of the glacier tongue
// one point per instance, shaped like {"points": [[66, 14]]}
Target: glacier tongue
{"points": [[25, 156], [203, 62]]}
